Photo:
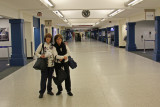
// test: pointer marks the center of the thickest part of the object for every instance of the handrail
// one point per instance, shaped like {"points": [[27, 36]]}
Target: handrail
{"points": [[5, 46], [8, 52], [144, 44]]}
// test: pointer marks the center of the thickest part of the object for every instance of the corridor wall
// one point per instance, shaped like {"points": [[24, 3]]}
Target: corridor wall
{"points": [[145, 30]]}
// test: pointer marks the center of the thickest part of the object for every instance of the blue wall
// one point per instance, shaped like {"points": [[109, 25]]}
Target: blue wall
{"points": [[36, 37], [36, 22], [36, 25]]}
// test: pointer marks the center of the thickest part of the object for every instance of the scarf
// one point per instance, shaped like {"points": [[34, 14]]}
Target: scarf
{"points": [[61, 49]]}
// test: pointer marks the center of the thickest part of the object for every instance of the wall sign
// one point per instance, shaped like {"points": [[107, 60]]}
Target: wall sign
{"points": [[4, 34], [149, 14]]}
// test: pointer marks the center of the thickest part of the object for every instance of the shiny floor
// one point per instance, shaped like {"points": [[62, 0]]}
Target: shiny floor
{"points": [[105, 77]]}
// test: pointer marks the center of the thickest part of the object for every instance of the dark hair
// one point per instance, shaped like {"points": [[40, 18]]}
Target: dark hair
{"points": [[58, 35], [48, 35]]}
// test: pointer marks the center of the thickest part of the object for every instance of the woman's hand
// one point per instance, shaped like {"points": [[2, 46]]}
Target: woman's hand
{"points": [[60, 59], [42, 56], [65, 57]]}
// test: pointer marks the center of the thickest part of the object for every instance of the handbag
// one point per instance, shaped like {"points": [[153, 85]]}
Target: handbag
{"points": [[61, 77], [41, 63], [71, 63]]}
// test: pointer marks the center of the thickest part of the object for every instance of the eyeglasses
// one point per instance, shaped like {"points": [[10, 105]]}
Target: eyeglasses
{"points": [[59, 39]]}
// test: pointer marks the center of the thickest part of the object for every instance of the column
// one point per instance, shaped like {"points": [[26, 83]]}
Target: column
{"points": [[131, 46], [18, 57], [106, 34], [36, 25], [116, 36], [156, 55], [108, 30]]}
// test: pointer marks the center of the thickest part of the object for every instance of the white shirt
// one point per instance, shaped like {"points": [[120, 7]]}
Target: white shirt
{"points": [[48, 51]]}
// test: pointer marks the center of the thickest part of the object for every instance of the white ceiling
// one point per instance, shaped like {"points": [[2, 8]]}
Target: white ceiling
{"points": [[88, 4], [77, 14], [72, 10]]}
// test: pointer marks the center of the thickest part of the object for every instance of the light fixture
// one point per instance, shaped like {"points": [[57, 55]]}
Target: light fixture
{"points": [[65, 20], [69, 24], [103, 20], [134, 2], [96, 23], [58, 13], [116, 12], [48, 3]]}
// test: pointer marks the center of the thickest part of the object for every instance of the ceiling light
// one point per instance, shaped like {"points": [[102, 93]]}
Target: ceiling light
{"points": [[116, 12], [134, 2], [97, 23], [58, 13], [103, 20], [48, 2], [65, 20]]}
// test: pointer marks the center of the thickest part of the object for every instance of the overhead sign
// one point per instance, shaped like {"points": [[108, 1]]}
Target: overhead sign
{"points": [[149, 14]]}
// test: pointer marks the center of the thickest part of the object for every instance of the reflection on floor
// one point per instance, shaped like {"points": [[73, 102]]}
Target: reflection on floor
{"points": [[105, 77], [3, 64]]}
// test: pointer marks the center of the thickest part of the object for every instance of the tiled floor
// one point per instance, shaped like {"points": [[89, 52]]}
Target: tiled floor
{"points": [[105, 77]]}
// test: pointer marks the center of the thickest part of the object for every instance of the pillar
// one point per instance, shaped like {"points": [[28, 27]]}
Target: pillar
{"points": [[116, 36], [18, 57], [156, 55], [131, 46]]}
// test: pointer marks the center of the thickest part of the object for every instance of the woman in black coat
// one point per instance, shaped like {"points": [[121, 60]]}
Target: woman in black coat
{"points": [[61, 60]]}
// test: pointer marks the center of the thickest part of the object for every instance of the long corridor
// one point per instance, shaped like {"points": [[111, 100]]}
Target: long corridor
{"points": [[105, 77]]}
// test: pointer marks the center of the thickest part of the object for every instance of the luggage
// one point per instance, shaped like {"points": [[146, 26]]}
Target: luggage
{"points": [[72, 64], [61, 77]]}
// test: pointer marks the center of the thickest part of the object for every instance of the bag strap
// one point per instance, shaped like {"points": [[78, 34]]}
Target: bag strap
{"points": [[43, 47]]}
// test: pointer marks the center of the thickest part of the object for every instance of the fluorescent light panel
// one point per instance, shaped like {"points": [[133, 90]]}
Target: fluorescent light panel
{"points": [[65, 20], [48, 2], [97, 23], [134, 2], [58, 13], [103, 20], [116, 12]]}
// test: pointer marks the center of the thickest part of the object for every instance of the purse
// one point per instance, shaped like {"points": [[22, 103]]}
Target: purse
{"points": [[41, 63], [61, 77], [72, 64]]}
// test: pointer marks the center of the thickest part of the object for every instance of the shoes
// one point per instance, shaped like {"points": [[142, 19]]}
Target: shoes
{"points": [[50, 93], [41, 96], [70, 93], [58, 93]]}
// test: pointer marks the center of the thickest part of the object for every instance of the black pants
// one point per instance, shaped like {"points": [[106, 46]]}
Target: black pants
{"points": [[67, 80], [47, 74]]}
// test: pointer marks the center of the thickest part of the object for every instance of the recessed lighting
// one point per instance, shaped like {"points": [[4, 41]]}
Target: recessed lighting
{"points": [[134, 2], [116, 12], [58, 13]]}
